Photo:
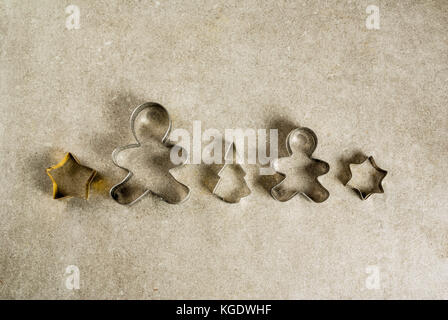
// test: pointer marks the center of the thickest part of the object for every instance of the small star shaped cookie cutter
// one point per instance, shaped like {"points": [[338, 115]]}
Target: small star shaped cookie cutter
{"points": [[378, 177], [301, 143], [163, 133], [70, 173]]}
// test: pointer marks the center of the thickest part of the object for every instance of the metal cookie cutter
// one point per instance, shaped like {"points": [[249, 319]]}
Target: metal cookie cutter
{"points": [[237, 186], [376, 177], [300, 143], [158, 132], [70, 178]]}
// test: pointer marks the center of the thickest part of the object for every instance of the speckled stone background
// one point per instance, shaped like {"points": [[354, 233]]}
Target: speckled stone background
{"points": [[246, 64]]}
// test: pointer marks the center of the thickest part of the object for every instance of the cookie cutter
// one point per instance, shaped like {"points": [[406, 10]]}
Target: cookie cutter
{"points": [[73, 166], [239, 193], [302, 140], [378, 187], [164, 141]]}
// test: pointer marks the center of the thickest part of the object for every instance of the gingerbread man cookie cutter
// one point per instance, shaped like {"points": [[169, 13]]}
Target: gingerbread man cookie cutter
{"points": [[163, 120], [300, 144]]}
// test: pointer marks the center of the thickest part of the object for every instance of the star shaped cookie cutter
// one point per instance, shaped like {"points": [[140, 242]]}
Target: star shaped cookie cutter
{"points": [[301, 143], [163, 116], [70, 173], [378, 177]]}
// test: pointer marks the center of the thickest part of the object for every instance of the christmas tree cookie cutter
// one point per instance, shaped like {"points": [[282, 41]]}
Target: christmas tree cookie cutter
{"points": [[220, 189], [160, 133], [70, 178], [300, 144], [376, 178]]}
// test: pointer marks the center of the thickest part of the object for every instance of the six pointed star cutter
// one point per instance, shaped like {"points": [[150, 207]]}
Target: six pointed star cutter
{"points": [[377, 179]]}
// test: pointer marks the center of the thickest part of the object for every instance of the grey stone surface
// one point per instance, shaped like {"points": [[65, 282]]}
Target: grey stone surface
{"points": [[247, 64]]}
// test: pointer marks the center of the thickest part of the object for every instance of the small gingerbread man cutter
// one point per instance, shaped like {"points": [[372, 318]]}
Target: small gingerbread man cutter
{"points": [[151, 126], [299, 169]]}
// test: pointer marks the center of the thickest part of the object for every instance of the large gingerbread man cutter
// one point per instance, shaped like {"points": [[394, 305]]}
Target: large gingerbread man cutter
{"points": [[151, 126]]}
